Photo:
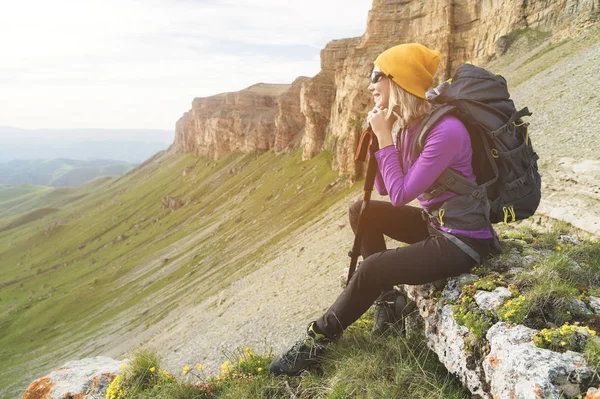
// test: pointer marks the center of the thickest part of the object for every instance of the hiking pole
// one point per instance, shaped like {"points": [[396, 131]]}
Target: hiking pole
{"points": [[367, 145]]}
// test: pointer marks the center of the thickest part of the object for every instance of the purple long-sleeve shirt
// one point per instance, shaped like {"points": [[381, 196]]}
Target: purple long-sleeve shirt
{"points": [[447, 146]]}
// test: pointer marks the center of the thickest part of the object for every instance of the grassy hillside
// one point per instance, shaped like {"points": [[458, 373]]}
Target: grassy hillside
{"points": [[59, 172], [17, 200], [67, 273]]}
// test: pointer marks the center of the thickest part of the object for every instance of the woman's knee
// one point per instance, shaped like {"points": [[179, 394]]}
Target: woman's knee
{"points": [[369, 274], [354, 213]]}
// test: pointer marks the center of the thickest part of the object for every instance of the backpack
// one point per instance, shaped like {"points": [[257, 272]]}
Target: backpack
{"points": [[504, 161]]}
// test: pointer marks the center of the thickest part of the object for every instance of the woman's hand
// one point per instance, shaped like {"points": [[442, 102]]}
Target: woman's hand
{"points": [[381, 127]]}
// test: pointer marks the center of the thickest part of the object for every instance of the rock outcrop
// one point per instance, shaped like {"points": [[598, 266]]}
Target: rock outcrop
{"points": [[172, 203], [289, 124], [318, 95], [81, 379], [243, 121], [504, 362]]}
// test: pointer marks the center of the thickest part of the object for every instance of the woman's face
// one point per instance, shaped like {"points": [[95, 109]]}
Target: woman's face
{"points": [[380, 90]]}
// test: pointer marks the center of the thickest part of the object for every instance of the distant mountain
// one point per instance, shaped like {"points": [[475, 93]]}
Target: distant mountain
{"points": [[128, 145], [158, 135], [59, 172]]}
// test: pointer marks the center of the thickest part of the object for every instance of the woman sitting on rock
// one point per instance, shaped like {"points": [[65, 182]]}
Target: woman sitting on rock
{"points": [[399, 81]]}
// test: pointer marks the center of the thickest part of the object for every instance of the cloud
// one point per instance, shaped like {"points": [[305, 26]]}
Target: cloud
{"points": [[69, 63]]}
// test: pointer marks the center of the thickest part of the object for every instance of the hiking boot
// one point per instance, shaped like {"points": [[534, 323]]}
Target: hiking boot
{"points": [[390, 310], [305, 353]]}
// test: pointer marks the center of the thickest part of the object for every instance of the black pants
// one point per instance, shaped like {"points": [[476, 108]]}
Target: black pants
{"points": [[430, 257]]}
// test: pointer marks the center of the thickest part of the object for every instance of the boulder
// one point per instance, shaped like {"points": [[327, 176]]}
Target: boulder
{"points": [[172, 203], [79, 379], [595, 304]]}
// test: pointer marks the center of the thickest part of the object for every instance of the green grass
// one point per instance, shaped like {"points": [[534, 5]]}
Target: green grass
{"points": [[15, 203], [28, 217], [8, 192], [357, 366], [59, 172], [62, 271]]}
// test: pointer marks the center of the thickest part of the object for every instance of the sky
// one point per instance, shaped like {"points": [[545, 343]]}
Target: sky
{"points": [[139, 64]]}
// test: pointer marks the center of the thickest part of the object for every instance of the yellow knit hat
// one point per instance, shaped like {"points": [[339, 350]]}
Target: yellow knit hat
{"points": [[411, 65]]}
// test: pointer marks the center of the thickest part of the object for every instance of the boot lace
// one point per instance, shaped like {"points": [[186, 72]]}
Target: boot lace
{"points": [[307, 345]]}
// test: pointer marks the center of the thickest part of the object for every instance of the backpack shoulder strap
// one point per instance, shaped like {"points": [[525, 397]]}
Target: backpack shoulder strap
{"points": [[430, 120]]}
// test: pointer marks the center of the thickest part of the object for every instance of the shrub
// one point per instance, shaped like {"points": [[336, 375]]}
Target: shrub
{"points": [[141, 375], [566, 337], [514, 311], [467, 313]]}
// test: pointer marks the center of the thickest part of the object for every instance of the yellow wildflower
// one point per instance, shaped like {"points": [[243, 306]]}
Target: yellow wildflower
{"points": [[199, 367], [563, 343], [557, 248], [259, 369], [247, 349], [123, 366], [166, 374], [258, 362], [225, 365], [115, 389], [152, 369], [185, 369]]}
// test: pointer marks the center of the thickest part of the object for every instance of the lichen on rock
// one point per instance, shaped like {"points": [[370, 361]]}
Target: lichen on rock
{"points": [[83, 379]]}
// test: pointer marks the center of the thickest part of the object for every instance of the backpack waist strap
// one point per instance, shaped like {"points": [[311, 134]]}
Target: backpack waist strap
{"points": [[450, 180]]}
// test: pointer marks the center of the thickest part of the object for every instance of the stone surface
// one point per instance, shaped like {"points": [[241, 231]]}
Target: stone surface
{"points": [[79, 379], [593, 393], [568, 239], [516, 368], [491, 301], [444, 336], [595, 304], [577, 306]]}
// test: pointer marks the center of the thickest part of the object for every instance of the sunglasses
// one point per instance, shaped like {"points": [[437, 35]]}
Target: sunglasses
{"points": [[376, 76]]}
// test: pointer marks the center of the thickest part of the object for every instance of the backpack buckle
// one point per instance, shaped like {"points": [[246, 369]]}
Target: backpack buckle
{"points": [[478, 194]]}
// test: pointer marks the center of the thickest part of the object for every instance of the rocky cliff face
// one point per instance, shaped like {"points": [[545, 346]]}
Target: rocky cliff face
{"points": [[328, 110], [243, 121], [318, 95], [289, 124]]}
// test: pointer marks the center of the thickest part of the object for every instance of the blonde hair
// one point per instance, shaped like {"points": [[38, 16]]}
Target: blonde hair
{"points": [[407, 107]]}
